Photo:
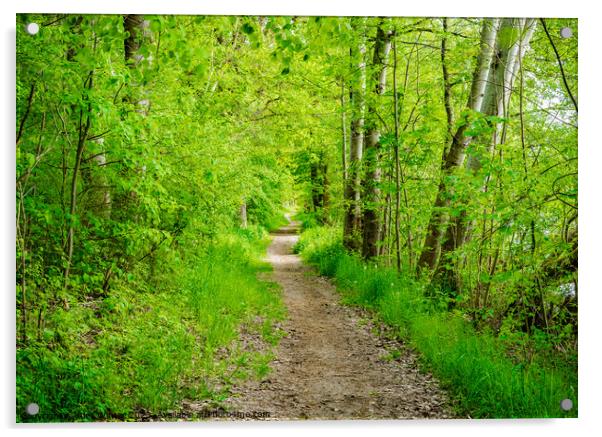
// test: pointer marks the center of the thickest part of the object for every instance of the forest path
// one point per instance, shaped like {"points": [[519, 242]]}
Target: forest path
{"points": [[331, 364]]}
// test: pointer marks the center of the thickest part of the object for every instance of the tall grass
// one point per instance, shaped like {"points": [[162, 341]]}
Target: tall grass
{"points": [[475, 366], [147, 349]]}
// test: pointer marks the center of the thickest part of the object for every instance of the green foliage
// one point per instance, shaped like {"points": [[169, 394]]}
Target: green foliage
{"points": [[308, 220], [148, 349], [483, 371], [133, 176]]}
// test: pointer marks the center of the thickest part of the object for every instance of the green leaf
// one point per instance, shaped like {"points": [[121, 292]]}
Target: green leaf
{"points": [[248, 28]]}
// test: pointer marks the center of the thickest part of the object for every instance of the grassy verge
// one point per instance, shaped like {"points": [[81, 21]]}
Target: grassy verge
{"points": [[145, 348], [476, 367]]}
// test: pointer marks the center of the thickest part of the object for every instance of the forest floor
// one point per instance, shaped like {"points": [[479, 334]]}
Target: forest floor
{"points": [[334, 361]]}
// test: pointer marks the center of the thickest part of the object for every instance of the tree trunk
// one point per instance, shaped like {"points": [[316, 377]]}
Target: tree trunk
{"points": [[371, 219], [315, 190], [343, 133], [325, 195], [357, 90], [84, 128], [453, 157], [137, 29], [513, 36], [137, 34], [319, 188], [397, 170], [243, 214]]}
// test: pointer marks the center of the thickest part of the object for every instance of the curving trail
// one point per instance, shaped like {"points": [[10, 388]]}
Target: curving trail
{"points": [[331, 364]]}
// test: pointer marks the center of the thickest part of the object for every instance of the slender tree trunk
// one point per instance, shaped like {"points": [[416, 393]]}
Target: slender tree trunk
{"points": [[357, 90], [396, 150], [84, 128], [446, 83], [32, 91], [325, 201], [137, 32], [243, 214], [315, 184], [562, 74], [320, 188], [390, 225], [387, 214], [21, 234], [371, 220], [400, 105], [343, 133]]}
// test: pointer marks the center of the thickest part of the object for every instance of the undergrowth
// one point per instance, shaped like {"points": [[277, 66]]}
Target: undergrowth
{"points": [[486, 380], [149, 345]]}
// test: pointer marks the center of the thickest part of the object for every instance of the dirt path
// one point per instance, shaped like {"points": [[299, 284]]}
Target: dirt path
{"points": [[331, 365]]}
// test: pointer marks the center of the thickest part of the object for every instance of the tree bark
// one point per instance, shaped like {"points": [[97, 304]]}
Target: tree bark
{"points": [[137, 30], [343, 133], [514, 38], [453, 156], [243, 214], [515, 33], [371, 219], [357, 90], [396, 151], [134, 26]]}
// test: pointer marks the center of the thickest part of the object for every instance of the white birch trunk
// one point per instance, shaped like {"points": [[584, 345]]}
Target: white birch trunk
{"points": [[357, 103], [454, 156], [513, 40]]}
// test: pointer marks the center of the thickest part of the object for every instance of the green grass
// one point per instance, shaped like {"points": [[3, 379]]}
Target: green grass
{"points": [[146, 348], [485, 380], [308, 219]]}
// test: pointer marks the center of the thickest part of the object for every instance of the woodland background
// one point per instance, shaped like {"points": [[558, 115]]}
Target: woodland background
{"points": [[432, 161]]}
